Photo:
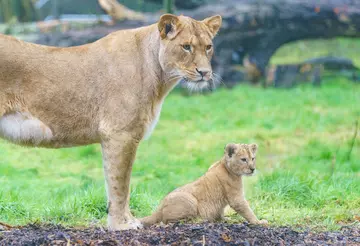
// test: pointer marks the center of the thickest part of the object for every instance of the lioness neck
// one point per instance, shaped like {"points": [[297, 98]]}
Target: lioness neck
{"points": [[150, 43], [145, 51]]}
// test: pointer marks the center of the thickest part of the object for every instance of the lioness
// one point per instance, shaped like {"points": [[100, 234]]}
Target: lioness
{"points": [[109, 92], [208, 196]]}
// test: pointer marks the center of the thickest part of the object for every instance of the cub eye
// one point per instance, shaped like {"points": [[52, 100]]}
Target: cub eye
{"points": [[208, 47], [244, 159], [187, 47]]}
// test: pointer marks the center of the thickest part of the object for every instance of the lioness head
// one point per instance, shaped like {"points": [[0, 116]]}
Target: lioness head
{"points": [[186, 48], [240, 158]]}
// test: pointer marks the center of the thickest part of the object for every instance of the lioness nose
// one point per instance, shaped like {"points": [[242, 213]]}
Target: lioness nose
{"points": [[203, 71]]}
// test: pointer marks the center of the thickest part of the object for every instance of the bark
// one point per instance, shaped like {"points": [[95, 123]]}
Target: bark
{"points": [[119, 12], [254, 29]]}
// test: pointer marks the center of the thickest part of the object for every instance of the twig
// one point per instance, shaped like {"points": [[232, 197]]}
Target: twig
{"points": [[203, 241], [7, 226], [348, 157]]}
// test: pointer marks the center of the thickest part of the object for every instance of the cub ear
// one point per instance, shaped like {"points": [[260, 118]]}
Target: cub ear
{"points": [[230, 149], [253, 148], [168, 26], [213, 23]]}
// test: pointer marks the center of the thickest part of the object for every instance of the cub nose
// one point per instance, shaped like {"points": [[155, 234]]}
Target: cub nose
{"points": [[252, 169], [203, 72]]}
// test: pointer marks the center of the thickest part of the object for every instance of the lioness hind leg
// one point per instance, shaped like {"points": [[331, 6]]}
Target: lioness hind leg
{"points": [[178, 206]]}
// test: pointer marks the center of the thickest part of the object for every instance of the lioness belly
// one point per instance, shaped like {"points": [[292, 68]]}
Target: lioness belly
{"points": [[23, 128]]}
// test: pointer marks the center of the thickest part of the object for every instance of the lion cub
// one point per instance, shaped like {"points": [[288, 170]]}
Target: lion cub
{"points": [[207, 197]]}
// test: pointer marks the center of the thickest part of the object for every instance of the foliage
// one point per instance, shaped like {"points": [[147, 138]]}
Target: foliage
{"points": [[23, 10]]}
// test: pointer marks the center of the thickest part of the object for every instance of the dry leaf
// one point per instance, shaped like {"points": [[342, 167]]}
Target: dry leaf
{"points": [[226, 237]]}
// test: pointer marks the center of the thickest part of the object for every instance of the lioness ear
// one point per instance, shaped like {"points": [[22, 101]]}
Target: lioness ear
{"points": [[253, 148], [230, 149], [213, 23], [168, 26]]}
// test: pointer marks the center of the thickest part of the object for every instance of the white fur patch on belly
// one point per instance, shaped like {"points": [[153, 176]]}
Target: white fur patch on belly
{"points": [[156, 113], [155, 120], [22, 127]]}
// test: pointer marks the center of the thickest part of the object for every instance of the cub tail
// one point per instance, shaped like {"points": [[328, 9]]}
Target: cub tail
{"points": [[155, 218]]}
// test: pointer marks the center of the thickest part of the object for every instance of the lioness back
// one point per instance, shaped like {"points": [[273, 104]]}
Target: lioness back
{"points": [[55, 94]]}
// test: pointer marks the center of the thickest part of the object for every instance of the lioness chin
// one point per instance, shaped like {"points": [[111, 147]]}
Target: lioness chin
{"points": [[207, 197], [109, 92]]}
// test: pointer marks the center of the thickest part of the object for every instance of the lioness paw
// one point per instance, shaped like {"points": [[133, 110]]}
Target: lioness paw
{"points": [[130, 225]]}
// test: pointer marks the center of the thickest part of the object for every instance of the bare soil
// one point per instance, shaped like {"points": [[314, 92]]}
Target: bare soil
{"points": [[177, 234]]}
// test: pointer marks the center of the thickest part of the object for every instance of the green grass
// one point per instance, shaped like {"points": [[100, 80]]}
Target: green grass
{"points": [[304, 177]]}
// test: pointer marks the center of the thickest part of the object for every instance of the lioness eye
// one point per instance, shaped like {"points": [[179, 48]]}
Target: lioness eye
{"points": [[253, 158], [243, 159], [186, 47], [208, 47]]}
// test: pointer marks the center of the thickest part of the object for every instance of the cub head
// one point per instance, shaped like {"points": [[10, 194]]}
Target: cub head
{"points": [[186, 48], [241, 158]]}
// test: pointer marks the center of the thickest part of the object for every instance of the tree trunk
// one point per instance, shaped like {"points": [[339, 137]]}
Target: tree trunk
{"points": [[119, 12], [169, 6]]}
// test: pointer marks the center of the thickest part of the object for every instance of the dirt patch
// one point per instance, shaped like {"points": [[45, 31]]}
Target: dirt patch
{"points": [[178, 234]]}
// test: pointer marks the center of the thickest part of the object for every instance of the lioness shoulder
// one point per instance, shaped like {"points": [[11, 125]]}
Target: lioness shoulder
{"points": [[207, 197]]}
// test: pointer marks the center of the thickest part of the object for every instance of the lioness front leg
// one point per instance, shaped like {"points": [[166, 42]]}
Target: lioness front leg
{"points": [[241, 206], [118, 157]]}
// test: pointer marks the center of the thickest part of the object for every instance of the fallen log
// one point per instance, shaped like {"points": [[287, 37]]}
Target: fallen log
{"points": [[119, 12], [256, 29], [311, 70], [337, 64], [253, 30], [289, 75], [334, 63]]}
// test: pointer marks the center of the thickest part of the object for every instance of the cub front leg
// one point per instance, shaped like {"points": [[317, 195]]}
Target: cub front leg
{"points": [[241, 206], [118, 157]]}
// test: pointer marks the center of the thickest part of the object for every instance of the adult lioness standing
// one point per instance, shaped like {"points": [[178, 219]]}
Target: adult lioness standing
{"points": [[109, 92]]}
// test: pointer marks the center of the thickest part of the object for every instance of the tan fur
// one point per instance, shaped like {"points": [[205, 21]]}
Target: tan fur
{"points": [[208, 196], [107, 92]]}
